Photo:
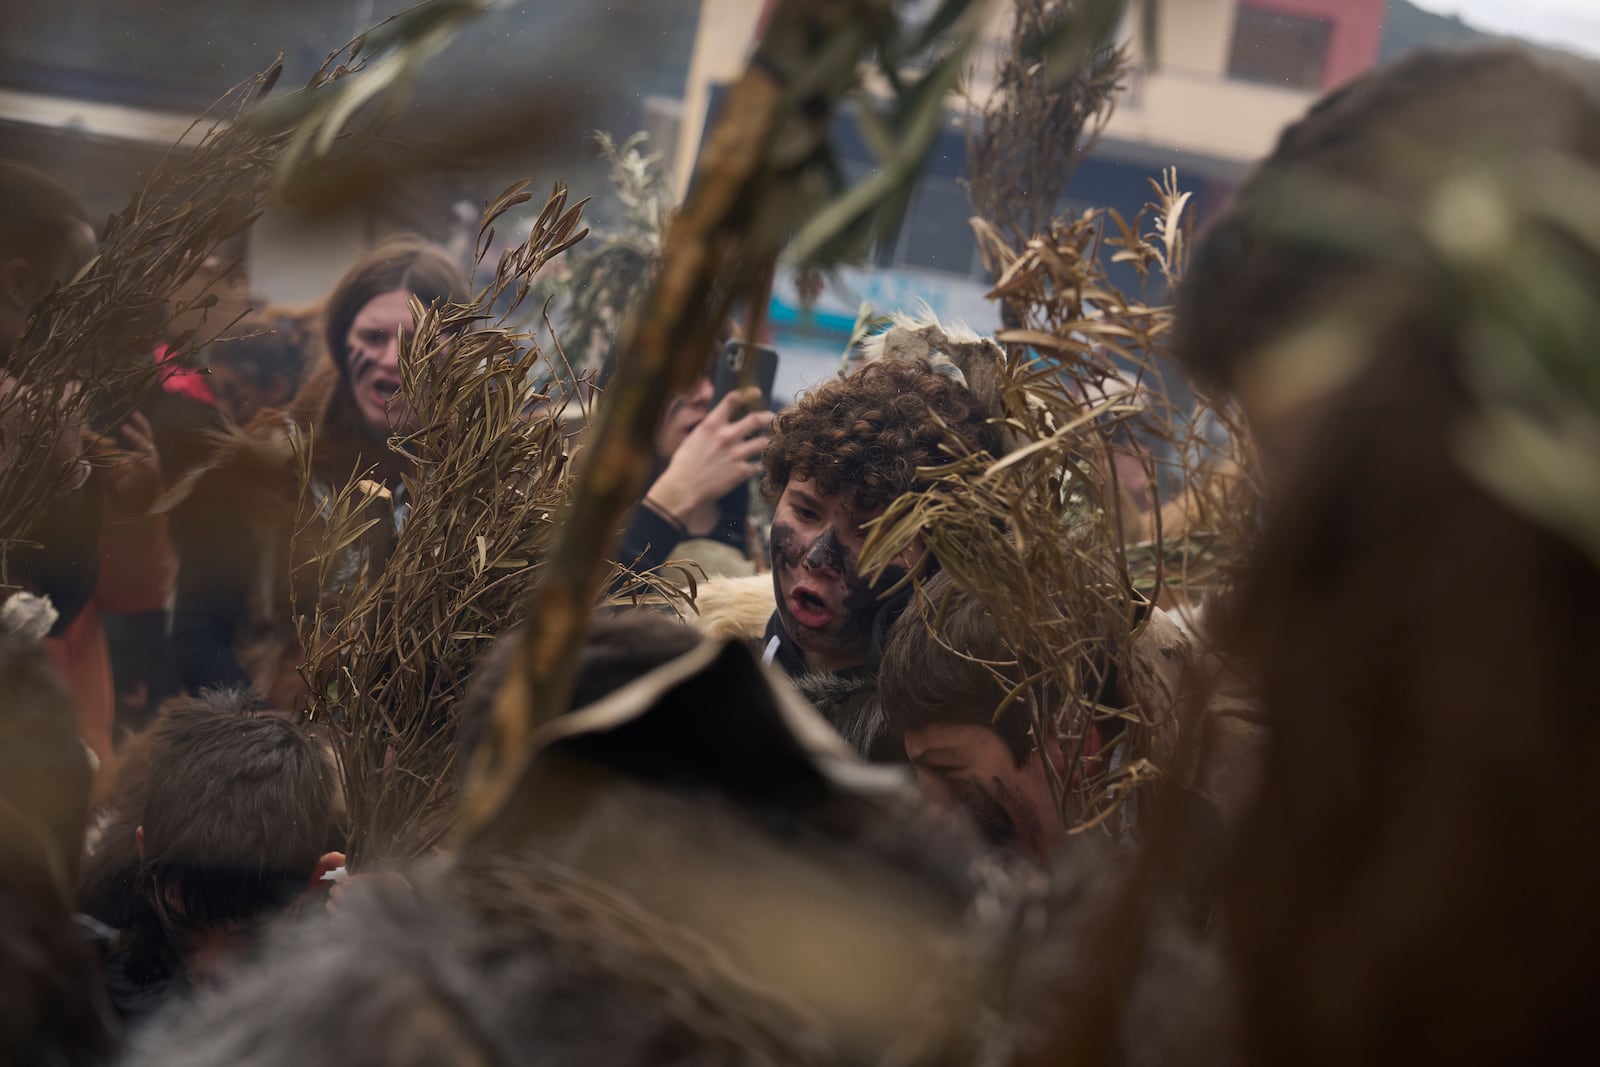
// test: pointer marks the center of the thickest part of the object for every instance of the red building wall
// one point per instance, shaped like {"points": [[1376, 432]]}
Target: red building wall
{"points": [[1357, 30]]}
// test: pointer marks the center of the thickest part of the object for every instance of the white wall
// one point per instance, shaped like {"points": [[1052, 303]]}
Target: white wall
{"points": [[295, 262]]}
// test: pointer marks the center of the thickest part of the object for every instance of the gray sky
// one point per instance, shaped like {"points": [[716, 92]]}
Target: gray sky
{"points": [[1574, 24]]}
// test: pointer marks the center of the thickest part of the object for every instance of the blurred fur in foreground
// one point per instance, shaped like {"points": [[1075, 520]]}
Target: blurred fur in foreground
{"points": [[51, 1007], [710, 878], [1416, 882]]}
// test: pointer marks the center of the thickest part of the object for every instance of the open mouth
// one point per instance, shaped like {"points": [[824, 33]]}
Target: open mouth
{"points": [[383, 388], [809, 609]]}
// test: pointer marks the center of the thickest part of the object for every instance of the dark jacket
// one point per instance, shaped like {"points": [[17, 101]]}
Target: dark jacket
{"points": [[848, 699], [650, 537], [66, 564], [240, 552]]}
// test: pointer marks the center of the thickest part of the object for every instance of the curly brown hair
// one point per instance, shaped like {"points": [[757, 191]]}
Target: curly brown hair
{"points": [[865, 433]]}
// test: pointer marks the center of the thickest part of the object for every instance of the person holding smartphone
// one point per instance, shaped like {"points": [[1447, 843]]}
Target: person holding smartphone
{"points": [[707, 450]]}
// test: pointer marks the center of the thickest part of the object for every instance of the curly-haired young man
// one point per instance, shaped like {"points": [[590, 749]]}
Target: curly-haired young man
{"points": [[836, 461]]}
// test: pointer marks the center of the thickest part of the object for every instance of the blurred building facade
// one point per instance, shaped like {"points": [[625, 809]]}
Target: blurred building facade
{"points": [[97, 91], [1229, 75]]}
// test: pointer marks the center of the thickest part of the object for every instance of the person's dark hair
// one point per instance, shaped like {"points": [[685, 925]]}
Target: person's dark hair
{"points": [[1419, 851], [38, 215], [50, 1008], [621, 647], [402, 262], [52, 1002], [265, 348], [921, 681], [44, 767], [865, 433], [1398, 132], [237, 809], [945, 662]]}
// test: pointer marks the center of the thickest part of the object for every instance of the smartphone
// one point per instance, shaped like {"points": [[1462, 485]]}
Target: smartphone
{"points": [[731, 371]]}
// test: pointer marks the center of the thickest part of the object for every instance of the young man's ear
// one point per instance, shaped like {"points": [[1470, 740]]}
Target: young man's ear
{"points": [[18, 285], [1088, 758], [327, 863]]}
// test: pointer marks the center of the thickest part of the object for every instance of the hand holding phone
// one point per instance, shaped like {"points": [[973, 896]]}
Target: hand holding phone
{"points": [[733, 371], [724, 450]]}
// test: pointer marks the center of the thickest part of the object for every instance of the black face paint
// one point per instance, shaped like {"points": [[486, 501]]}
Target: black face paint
{"points": [[989, 817], [826, 553], [864, 601], [785, 547], [792, 559], [827, 561]]}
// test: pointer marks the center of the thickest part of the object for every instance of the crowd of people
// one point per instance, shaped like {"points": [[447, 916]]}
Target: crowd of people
{"points": [[807, 824]]}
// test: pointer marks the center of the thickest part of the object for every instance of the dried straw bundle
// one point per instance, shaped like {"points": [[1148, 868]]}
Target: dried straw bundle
{"points": [[1183, 533], [1037, 536], [607, 281], [87, 358], [389, 666]]}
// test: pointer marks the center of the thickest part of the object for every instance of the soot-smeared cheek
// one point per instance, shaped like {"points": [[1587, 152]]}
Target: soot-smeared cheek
{"points": [[988, 815], [864, 600], [786, 547]]}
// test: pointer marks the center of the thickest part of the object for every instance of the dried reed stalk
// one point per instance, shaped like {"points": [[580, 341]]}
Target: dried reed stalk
{"points": [[1028, 137], [87, 358], [389, 665], [729, 231], [1039, 535]]}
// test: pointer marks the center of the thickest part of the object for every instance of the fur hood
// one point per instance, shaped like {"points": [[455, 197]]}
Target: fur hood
{"points": [[735, 608]]}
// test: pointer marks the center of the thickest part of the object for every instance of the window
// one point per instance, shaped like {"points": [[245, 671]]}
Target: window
{"points": [[937, 235], [1289, 51]]}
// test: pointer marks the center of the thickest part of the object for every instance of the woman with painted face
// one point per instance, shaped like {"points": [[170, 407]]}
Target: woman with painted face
{"points": [[837, 459], [697, 505], [232, 623]]}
